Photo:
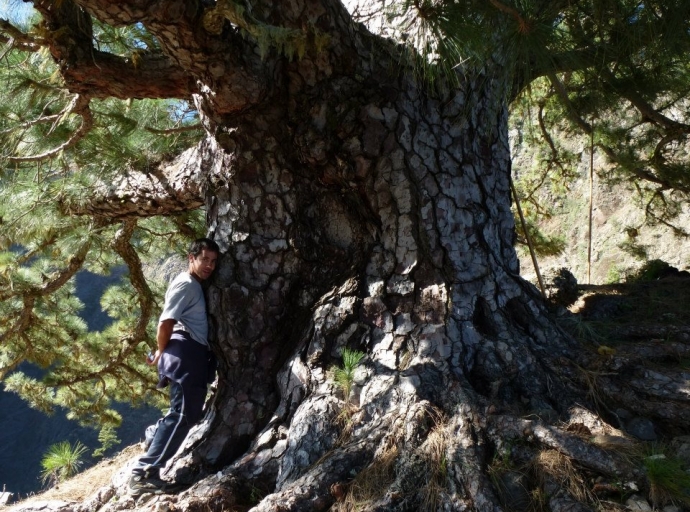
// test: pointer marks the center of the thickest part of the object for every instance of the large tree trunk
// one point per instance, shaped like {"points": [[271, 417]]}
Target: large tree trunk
{"points": [[359, 207]]}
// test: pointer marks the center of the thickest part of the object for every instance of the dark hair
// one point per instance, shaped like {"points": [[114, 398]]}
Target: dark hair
{"points": [[200, 244]]}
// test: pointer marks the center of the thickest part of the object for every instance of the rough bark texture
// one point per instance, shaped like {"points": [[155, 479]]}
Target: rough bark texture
{"points": [[357, 207]]}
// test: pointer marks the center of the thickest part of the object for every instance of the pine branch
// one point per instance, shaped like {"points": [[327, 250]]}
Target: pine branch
{"points": [[23, 320], [647, 111], [171, 131], [39, 120], [128, 344], [575, 117], [549, 140], [524, 25], [15, 38], [123, 247], [87, 70], [180, 70], [166, 189], [54, 281], [80, 106]]}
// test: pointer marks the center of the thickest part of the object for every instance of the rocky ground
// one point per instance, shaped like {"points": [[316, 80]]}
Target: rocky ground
{"points": [[645, 319]]}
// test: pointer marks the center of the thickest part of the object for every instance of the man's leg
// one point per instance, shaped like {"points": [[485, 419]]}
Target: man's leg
{"points": [[170, 434]]}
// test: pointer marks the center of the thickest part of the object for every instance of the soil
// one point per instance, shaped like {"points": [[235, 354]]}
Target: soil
{"points": [[83, 485]]}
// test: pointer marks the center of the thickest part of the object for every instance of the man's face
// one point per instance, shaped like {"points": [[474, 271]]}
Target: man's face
{"points": [[201, 267]]}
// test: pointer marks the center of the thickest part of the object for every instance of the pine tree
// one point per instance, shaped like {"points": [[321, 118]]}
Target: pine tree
{"points": [[359, 187]]}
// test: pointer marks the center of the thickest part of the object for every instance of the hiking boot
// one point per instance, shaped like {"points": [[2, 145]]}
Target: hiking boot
{"points": [[139, 484]]}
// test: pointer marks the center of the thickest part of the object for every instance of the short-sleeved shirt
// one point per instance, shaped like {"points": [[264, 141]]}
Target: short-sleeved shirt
{"points": [[185, 303]]}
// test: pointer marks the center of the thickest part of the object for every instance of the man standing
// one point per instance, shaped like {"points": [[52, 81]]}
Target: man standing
{"points": [[184, 362]]}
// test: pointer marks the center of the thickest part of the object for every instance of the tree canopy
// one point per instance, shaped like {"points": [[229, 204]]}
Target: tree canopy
{"points": [[97, 117]]}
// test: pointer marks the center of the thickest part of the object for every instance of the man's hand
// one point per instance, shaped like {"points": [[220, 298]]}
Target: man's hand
{"points": [[165, 330], [152, 359]]}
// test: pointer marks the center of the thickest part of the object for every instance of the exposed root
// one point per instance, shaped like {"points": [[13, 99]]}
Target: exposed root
{"points": [[466, 459], [573, 446]]}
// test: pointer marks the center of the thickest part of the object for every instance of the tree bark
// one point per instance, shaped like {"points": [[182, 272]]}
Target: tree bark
{"points": [[374, 214], [358, 206]]}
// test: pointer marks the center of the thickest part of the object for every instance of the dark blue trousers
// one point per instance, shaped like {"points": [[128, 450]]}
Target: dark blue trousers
{"points": [[187, 367], [186, 408]]}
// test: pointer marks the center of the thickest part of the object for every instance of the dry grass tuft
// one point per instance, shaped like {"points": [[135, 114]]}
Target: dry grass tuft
{"points": [[560, 468], [371, 483], [435, 450]]}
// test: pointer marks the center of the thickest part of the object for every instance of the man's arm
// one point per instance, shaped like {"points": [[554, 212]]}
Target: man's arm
{"points": [[165, 330]]}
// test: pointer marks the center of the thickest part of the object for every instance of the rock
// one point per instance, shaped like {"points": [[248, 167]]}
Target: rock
{"points": [[513, 490], [681, 449], [45, 506], [637, 504], [642, 428], [561, 287], [6, 498], [670, 508]]}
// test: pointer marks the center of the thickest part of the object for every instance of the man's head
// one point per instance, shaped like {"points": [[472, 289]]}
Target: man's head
{"points": [[202, 255]]}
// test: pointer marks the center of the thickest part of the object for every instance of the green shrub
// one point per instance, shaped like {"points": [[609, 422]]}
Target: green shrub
{"points": [[61, 461], [108, 438], [668, 481], [650, 271], [345, 376]]}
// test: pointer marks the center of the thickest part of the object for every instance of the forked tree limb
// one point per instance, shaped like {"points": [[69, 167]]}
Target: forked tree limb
{"points": [[166, 189]]}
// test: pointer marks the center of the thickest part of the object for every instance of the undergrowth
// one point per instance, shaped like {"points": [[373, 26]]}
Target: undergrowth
{"points": [[668, 481]]}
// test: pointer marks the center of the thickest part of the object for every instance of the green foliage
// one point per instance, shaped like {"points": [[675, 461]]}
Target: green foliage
{"points": [[650, 271], [544, 245], [344, 376], [108, 438], [613, 275], [668, 480], [43, 245], [61, 461], [634, 249]]}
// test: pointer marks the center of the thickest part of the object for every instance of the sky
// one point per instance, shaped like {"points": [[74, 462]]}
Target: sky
{"points": [[15, 11]]}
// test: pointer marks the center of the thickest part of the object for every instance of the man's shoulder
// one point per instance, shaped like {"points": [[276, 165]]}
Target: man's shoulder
{"points": [[182, 277], [184, 281]]}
